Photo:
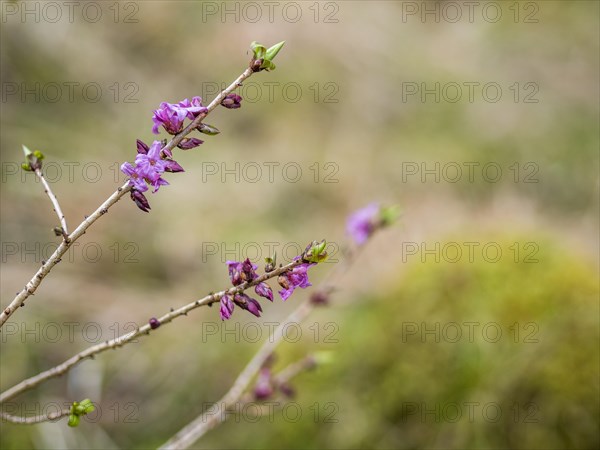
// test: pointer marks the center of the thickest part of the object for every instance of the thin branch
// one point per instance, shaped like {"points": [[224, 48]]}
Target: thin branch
{"points": [[55, 258], [55, 204], [127, 338], [293, 370], [36, 419], [207, 421], [193, 431]]}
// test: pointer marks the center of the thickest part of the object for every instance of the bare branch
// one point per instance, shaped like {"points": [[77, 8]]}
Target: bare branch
{"points": [[36, 419], [55, 204]]}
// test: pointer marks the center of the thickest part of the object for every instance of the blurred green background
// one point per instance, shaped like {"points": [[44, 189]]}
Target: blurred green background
{"points": [[342, 108]]}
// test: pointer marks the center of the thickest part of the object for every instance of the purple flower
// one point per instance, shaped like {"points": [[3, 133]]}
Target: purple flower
{"points": [[264, 290], [140, 200], [232, 101], [188, 143], [170, 117], [240, 272], [297, 277], [226, 307], [192, 108], [154, 323], [151, 165], [263, 388], [362, 223], [248, 303], [136, 178]]}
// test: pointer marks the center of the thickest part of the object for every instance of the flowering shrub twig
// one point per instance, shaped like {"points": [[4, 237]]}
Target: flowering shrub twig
{"points": [[371, 218], [127, 338], [165, 115], [151, 163]]}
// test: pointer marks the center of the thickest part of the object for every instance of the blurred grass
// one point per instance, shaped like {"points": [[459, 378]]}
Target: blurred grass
{"points": [[369, 133]]}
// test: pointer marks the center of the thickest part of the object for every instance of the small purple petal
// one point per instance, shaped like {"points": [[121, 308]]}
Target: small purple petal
{"points": [[136, 179], [158, 183], [192, 108]]}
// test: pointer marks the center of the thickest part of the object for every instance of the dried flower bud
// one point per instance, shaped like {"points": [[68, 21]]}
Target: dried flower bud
{"points": [[255, 64], [283, 281]]}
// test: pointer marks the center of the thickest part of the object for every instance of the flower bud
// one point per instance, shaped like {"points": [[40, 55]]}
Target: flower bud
{"points": [[272, 51], [33, 160], [315, 252], [207, 129], [232, 101], [248, 303], [226, 307], [154, 323], [264, 290], [253, 307], [140, 200], [188, 143], [173, 166], [271, 263], [142, 147]]}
